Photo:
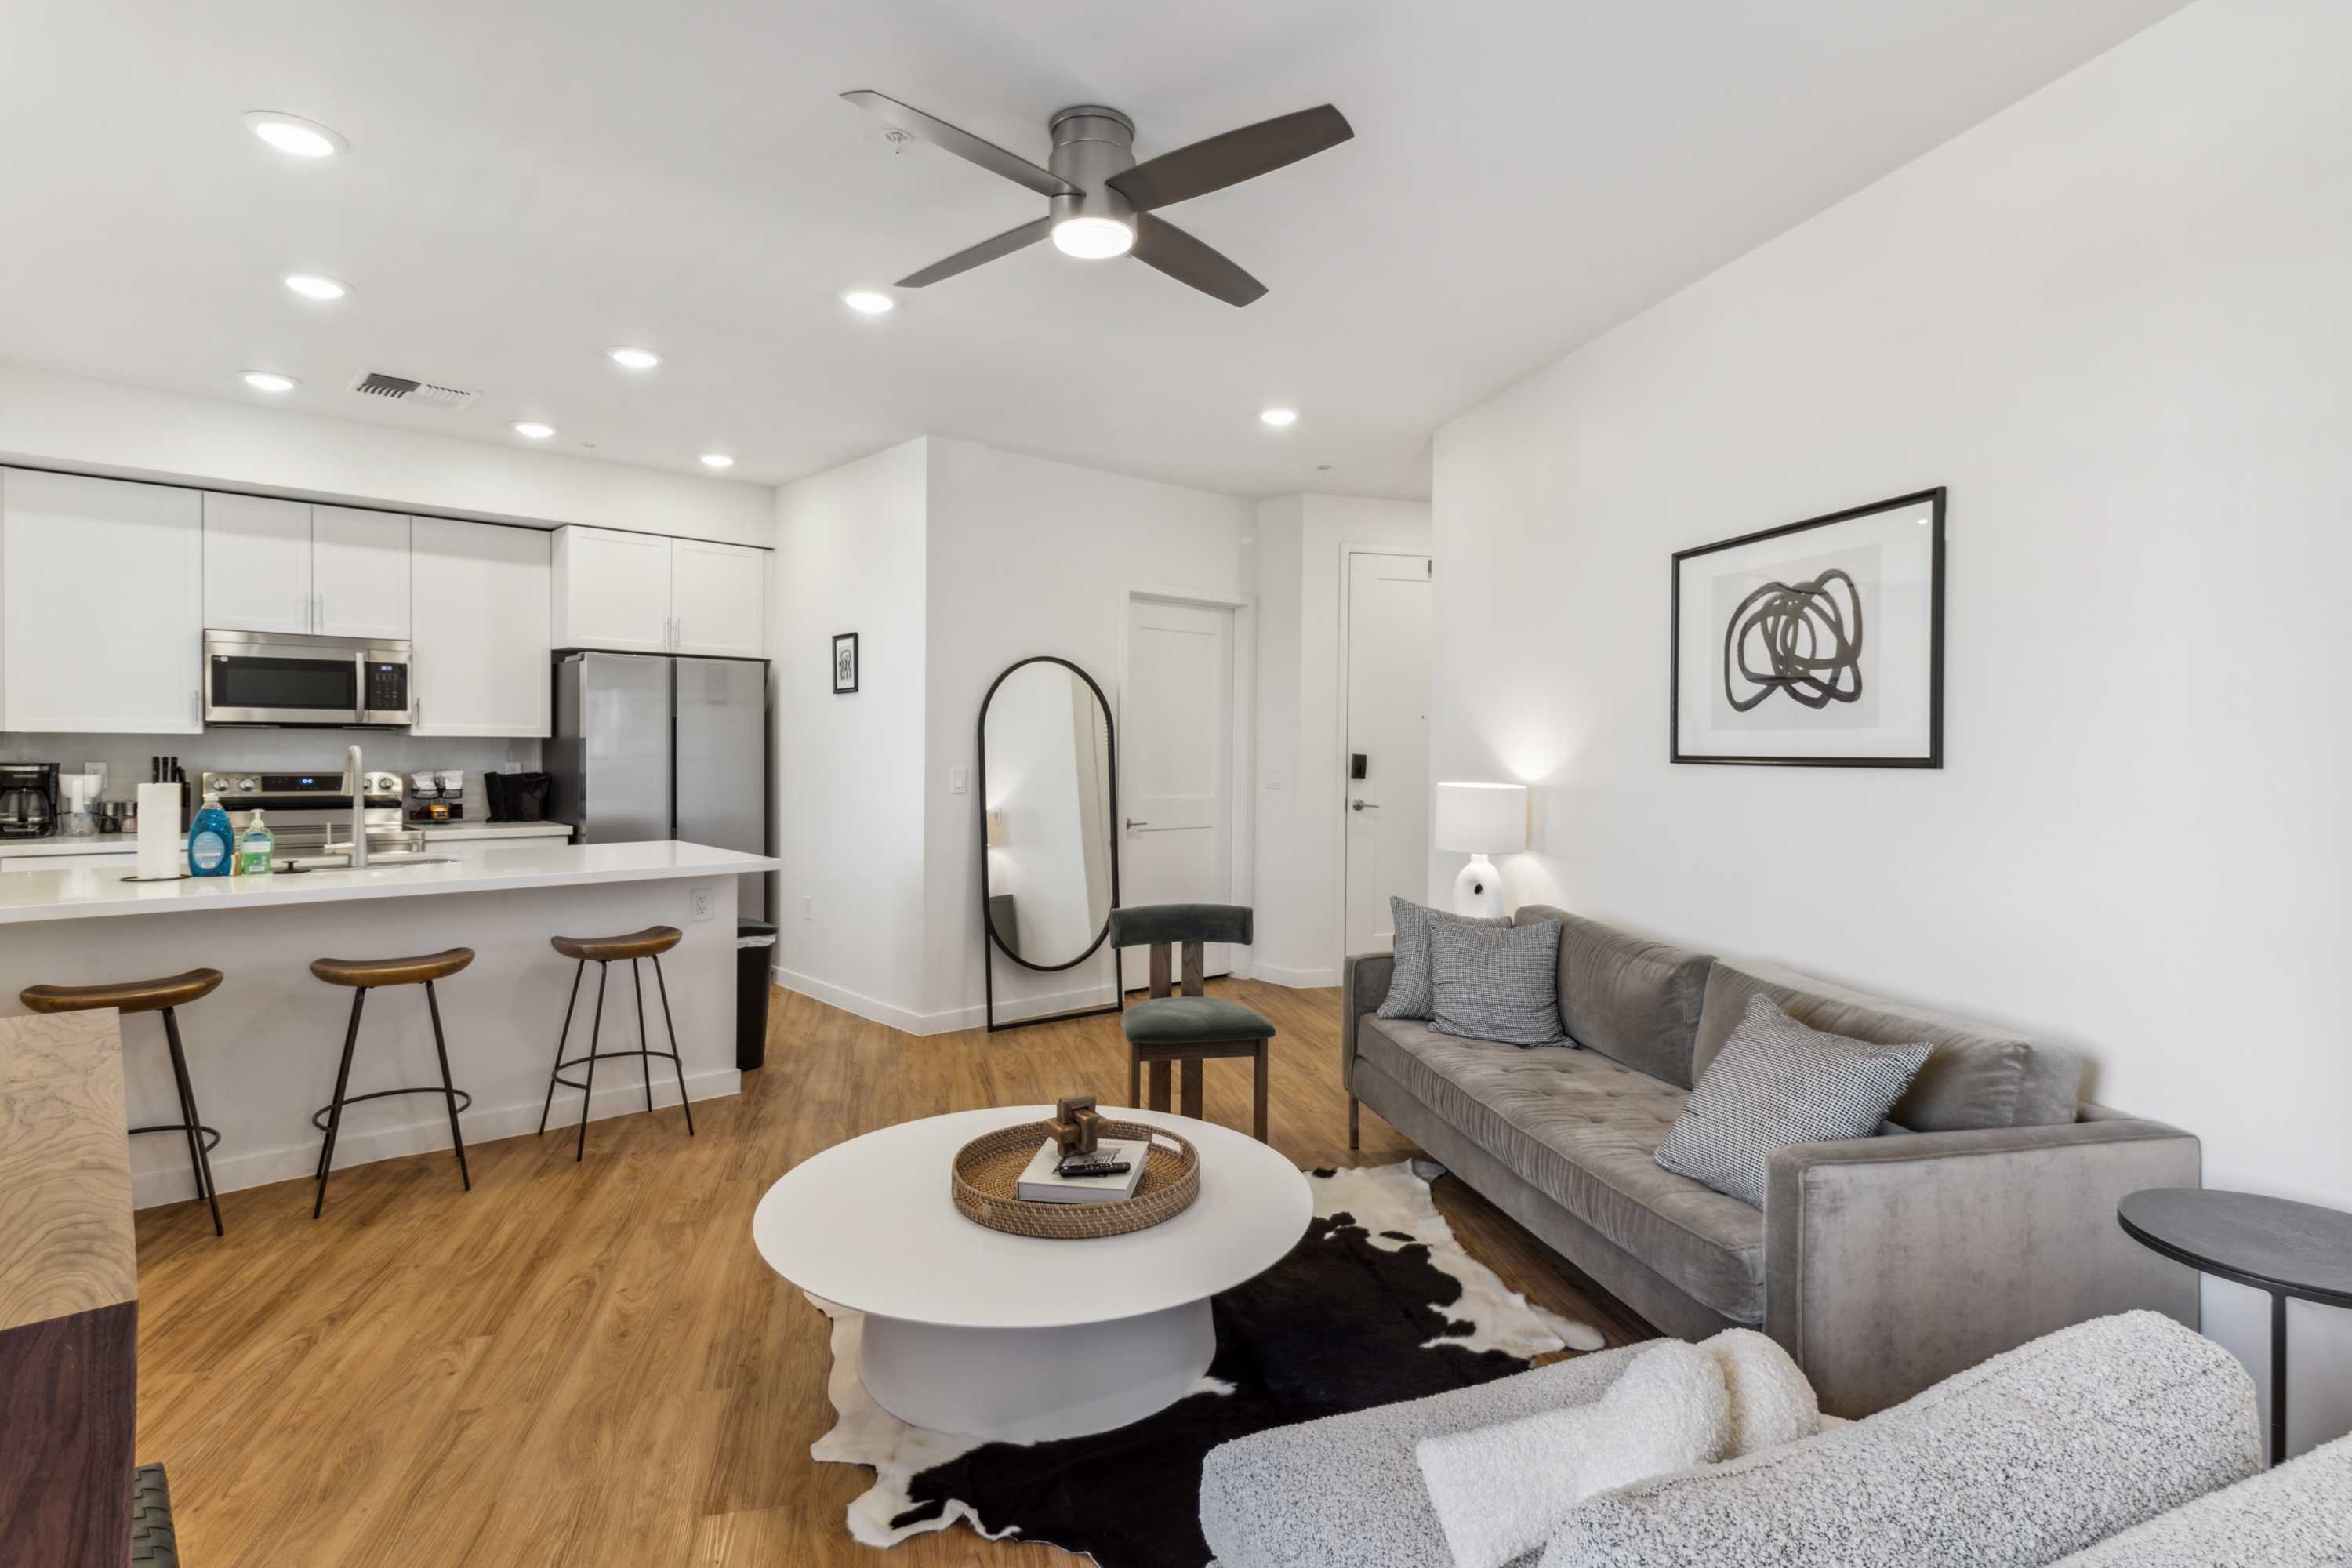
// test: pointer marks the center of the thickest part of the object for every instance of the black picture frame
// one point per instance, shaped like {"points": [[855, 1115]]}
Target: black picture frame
{"points": [[851, 639], [1934, 756]]}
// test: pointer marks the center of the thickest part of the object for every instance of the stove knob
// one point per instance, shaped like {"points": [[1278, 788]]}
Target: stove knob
{"points": [[249, 785]]}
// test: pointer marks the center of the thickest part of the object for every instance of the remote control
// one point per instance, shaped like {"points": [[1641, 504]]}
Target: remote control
{"points": [[1086, 1167]]}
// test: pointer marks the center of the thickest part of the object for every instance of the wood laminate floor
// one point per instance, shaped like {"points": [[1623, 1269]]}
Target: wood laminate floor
{"points": [[588, 1365]]}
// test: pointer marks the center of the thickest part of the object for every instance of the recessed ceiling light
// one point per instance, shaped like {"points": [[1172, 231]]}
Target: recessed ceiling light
{"points": [[532, 430], [1278, 417], [311, 285], [717, 460], [1093, 238], [292, 133], [634, 359], [269, 381], [867, 303]]}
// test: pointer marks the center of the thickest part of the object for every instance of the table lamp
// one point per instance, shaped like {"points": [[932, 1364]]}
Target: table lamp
{"points": [[1479, 820]]}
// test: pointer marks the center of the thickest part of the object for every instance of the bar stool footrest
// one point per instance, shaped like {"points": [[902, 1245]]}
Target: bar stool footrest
{"points": [[320, 1117], [670, 1056], [212, 1134]]}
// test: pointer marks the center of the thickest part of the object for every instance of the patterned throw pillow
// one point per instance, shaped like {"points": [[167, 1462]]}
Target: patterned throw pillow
{"points": [[1409, 995], [1776, 1082], [1500, 985]]}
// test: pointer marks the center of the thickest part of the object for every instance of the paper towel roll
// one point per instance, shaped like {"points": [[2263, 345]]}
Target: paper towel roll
{"points": [[161, 851]]}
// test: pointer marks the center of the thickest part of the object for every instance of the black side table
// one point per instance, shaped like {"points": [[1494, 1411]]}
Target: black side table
{"points": [[2287, 1248]]}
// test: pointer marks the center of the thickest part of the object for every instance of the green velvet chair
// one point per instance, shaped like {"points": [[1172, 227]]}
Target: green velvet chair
{"points": [[1191, 1028]]}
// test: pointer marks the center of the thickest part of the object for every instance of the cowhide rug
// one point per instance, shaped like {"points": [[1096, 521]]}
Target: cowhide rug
{"points": [[1377, 1303]]}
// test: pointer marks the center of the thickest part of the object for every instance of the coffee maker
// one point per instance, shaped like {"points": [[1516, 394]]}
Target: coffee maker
{"points": [[28, 799]]}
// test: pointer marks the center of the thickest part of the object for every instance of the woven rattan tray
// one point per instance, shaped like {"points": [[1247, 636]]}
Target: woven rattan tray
{"points": [[985, 1170]]}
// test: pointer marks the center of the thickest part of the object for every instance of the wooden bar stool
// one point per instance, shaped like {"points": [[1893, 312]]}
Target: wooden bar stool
{"points": [[164, 996], [363, 976], [1192, 1028], [604, 951]]}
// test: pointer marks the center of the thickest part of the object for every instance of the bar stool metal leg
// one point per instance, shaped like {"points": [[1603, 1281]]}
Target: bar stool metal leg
{"points": [[678, 1063], [645, 1045], [199, 1162], [588, 1086], [561, 1041], [448, 1086], [335, 1110]]}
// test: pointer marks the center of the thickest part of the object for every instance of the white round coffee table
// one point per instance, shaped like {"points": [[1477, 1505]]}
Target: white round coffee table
{"points": [[971, 1331]]}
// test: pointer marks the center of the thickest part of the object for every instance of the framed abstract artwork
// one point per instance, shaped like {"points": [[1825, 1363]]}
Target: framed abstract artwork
{"points": [[1816, 643], [844, 663]]}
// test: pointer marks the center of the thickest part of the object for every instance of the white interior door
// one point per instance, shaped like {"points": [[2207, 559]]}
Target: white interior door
{"points": [[1175, 751], [1387, 809]]}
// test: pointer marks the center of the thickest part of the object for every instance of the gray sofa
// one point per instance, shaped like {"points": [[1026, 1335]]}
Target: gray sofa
{"points": [[2126, 1440], [1983, 1217]]}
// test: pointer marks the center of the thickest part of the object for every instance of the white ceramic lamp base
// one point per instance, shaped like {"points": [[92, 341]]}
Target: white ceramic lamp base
{"points": [[1478, 890]]}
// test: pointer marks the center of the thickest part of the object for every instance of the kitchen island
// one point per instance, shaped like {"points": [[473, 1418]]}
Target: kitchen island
{"points": [[262, 1050]]}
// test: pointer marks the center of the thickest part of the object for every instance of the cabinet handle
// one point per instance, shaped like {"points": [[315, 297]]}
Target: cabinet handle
{"points": [[309, 624], [318, 612]]}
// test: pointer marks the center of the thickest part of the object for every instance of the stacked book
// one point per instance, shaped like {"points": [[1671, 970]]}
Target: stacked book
{"points": [[1042, 1182]]}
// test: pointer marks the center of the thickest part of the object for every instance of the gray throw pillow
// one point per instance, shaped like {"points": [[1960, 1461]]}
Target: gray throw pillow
{"points": [[1775, 1083], [1409, 995], [1500, 984]]}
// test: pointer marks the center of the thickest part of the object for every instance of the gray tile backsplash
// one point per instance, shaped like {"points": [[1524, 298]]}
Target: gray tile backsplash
{"points": [[126, 757]]}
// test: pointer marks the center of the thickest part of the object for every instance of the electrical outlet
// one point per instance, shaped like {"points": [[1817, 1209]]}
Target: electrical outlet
{"points": [[808, 906], [701, 900], [958, 781]]}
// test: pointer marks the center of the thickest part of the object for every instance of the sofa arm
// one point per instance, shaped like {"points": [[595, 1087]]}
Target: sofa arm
{"points": [[1892, 1262], [1363, 986]]}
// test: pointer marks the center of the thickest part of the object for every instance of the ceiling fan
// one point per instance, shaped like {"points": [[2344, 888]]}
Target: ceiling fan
{"points": [[1103, 203]]}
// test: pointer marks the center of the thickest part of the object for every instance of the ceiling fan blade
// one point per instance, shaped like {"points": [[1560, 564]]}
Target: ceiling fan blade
{"points": [[1230, 159], [1004, 244], [964, 144], [1163, 244]]}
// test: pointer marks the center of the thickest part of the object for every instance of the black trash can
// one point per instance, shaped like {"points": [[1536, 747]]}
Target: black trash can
{"points": [[755, 955]]}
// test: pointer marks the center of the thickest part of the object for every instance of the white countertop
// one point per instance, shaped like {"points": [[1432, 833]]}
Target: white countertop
{"points": [[128, 843], [82, 892]]}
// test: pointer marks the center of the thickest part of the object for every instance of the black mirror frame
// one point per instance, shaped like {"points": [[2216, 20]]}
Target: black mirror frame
{"points": [[991, 943]]}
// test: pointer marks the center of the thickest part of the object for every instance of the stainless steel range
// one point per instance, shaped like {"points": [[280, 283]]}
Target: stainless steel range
{"points": [[310, 814]]}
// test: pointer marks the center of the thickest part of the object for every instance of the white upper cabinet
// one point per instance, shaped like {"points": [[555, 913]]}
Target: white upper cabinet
{"points": [[101, 605], [288, 566], [717, 599], [256, 573], [359, 572], [641, 592], [483, 598], [612, 590]]}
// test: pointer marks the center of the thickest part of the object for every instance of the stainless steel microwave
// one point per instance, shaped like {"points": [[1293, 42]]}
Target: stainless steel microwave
{"points": [[280, 678]]}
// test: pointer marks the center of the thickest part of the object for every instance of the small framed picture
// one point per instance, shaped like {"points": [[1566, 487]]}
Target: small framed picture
{"points": [[1818, 643], [844, 663]]}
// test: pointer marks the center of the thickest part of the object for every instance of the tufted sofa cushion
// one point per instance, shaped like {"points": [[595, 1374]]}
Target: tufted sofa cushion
{"points": [[1585, 1132]]}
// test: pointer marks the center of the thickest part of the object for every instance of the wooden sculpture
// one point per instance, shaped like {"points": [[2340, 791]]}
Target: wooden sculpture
{"points": [[1076, 1126]]}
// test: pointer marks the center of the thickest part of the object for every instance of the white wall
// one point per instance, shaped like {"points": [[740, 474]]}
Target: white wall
{"points": [[2115, 321], [1302, 542], [1029, 557], [52, 420], [849, 769]]}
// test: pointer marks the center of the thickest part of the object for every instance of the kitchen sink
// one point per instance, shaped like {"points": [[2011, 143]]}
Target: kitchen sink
{"points": [[379, 857]]}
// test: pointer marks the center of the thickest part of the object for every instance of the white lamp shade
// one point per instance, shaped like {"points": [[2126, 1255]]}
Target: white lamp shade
{"points": [[1480, 819]]}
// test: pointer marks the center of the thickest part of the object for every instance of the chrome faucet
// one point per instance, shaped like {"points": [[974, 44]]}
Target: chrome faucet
{"points": [[355, 781]]}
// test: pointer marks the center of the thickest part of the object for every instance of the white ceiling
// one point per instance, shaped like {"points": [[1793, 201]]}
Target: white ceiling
{"points": [[531, 182]]}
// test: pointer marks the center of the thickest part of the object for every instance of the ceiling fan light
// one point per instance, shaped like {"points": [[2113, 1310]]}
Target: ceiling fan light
{"points": [[1093, 238]]}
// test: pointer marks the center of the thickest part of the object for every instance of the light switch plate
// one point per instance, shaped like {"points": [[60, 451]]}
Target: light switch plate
{"points": [[958, 781]]}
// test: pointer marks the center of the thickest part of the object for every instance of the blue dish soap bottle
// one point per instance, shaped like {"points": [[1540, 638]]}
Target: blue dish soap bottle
{"points": [[210, 850]]}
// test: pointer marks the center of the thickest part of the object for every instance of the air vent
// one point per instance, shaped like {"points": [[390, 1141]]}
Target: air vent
{"points": [[403, 389]]}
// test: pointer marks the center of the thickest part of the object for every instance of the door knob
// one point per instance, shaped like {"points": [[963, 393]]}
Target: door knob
{"points": [[1360, 804]]}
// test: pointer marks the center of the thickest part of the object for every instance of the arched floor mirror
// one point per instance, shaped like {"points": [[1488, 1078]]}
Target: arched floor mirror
{"points": [[1048, 800]]}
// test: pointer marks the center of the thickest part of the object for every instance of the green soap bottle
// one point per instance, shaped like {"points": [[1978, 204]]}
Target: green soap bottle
{"points": [[257, 850]]}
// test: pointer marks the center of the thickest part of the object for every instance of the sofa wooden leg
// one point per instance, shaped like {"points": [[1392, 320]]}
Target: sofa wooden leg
{"points": [[1355, 1122]]}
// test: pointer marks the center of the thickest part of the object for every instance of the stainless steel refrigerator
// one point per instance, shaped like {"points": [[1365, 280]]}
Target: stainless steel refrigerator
{"points": [[649, 746]]}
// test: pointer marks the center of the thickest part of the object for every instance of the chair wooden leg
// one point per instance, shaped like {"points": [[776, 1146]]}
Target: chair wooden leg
{"points": [[1159, 1086], [1257, 1092], [1193, 1086], [1134, 1076]]}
